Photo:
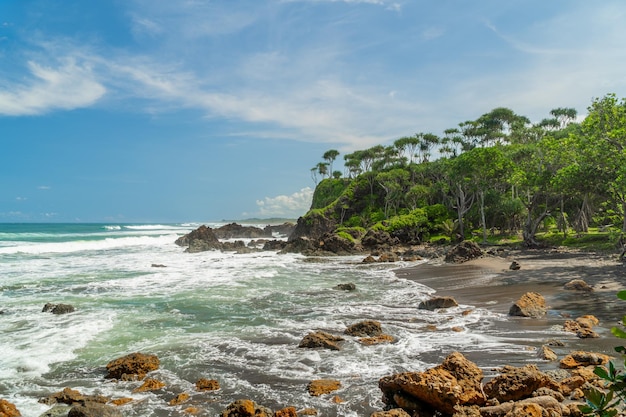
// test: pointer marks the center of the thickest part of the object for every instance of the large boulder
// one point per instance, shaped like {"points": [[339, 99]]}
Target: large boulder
{"points": [[463, 252], [531, 304], [321, 339], [199, 240], [133, 366], [456, 382], [517, 383]]}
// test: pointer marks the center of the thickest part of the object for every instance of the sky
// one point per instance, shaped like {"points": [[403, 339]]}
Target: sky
{"points": [[209, 110]]}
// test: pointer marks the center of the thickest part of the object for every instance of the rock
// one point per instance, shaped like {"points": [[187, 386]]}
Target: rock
{"points": [[346, 287], [56, 411], [396, 412], [547, 354], [580, 358], [321, 339], [199, 240], [179, 399], [437, 302], [582, 326], [8, 409], [158, 266], [456, 382], [286, 412], [515, 266], [365, 328], [285, 229], [531, 304], [150, 385], [369, 260], [378, 239], [319, 387], [207, 385], [132, 366], [388, 257], [275, 245], [121, 401], [463, 252], [237, 231], [246, 408], [517, 383], [301, 245], [578, 285], [377, 340], [331, 242], [551, 405], [58, 308], [70, 396], [90, 409]]}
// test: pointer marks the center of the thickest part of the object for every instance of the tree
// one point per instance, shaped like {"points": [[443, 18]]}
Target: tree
{"points": [[330, 156], [407, 146]]}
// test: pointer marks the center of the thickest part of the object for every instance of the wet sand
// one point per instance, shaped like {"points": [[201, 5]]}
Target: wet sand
{"points": [[488, 283]]}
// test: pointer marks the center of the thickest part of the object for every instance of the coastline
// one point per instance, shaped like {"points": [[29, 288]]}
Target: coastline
{"points": [[488, 283]]}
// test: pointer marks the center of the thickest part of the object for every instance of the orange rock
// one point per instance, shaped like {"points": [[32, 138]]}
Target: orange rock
{"points": [[179, 399], [323, 386], [150, 385], [376, 340], [531, 304], [121, 401], [8, 409], [133, 366], [286, 412], [337, 399], [191, 410], [580, 358], [207, 385]]}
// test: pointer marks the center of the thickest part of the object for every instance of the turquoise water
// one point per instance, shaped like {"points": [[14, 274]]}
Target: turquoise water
{"points": [[234, 318]]}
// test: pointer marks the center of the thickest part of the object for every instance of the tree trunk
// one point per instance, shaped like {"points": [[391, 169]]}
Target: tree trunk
{"points": [[481, 195]]}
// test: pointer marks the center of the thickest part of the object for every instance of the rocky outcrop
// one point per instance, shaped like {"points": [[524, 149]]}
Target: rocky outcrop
{"points": [[313, 227], [379, 239], [322, 386], [237, 231], [531, 304], [132, 367], [514, 384], [322, 340], [199, 240], [58, 308], [285, 229], [437, 302], [463, 252], [338, 245], [246, 408], [456, 382]]}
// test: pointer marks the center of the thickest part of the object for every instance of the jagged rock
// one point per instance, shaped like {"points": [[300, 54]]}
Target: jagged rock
{"points": [[274, 245], [204, 384], [246, 408], [517, 383], [581, 358], [463, 252], [70, 396], [396, 412], [365, 328], [515, 266], [8, 409], [285, 229], [378, 239], [286, 412], [319, 387], [578, 285], [531, 304], [456, 382], [132, 366], [237, 231], [547, 354], [320, 339], [338, 245], [313, 226], [346, 287], [150, 385], [199, 240], [301, 245], [90, 409], [582, 326], [58, 308], [437, 302]]}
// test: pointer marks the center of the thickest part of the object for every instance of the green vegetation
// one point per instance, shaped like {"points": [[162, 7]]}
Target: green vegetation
{"points": [[497, 178]]}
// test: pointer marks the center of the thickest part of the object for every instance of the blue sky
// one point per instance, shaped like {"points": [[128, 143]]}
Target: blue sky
{"points": [[167, 111]]}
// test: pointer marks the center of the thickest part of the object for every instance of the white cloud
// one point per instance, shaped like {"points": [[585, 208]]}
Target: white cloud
{"points": [[66, 86], [289, 206]]}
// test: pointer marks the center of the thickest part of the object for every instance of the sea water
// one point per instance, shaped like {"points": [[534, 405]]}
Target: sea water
{"points": [[236, 318]]}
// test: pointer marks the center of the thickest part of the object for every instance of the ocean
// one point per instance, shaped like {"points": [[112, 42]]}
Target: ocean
{"points": [[236, 318]]}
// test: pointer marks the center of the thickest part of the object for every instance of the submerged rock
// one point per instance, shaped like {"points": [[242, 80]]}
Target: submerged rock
{"points": [[321, 339], [246, 408], [58, 308], [365, 328]]}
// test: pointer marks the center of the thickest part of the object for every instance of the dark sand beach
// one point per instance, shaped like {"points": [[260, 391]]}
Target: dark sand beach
{"points": [[488, 283]]}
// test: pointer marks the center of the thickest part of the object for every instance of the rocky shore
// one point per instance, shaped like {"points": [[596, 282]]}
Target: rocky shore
{"points": [[537, 288]]}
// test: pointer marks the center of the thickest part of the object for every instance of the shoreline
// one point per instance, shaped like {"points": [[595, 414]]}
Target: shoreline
{"points": [[488, 283]]}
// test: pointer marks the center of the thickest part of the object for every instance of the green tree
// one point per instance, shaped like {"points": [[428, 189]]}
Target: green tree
{"points": [[330, 156]]}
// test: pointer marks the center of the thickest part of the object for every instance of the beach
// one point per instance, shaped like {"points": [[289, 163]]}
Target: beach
{"points": [[488, 282]]}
